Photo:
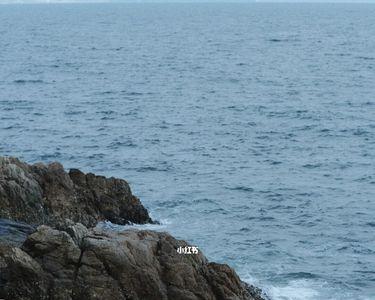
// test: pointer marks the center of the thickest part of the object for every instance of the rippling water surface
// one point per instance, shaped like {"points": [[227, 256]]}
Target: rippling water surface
{"points": [[247, 130]]}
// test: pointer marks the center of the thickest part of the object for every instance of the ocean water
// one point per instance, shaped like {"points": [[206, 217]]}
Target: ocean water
{"points": [[246, 129]]}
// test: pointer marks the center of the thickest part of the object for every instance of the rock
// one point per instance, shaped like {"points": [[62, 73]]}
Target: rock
{"points": [[47, 194], [66, 260], [21, 277], [103, 264]]}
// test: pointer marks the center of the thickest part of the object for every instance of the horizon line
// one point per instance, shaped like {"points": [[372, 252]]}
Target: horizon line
{"points": [[183, 1], [18, 2]]}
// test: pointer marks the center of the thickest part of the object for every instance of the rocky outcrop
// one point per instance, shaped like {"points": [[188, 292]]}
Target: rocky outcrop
{"points": [[73, 258], [80, 263], [47, 194]]}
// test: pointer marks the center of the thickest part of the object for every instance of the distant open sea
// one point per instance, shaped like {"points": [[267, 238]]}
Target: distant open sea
{"points": [[246, 129]]}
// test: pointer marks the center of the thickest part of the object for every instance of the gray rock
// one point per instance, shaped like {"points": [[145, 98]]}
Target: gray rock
{"points": [[65, 260], [100, 264]]}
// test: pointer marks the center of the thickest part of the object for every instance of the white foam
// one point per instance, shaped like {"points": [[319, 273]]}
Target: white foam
{"points": [[295, 290], [157, 227], [300, 289]]}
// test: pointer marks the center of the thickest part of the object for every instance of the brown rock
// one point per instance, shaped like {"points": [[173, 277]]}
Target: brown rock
{"points": [[46, 194]]}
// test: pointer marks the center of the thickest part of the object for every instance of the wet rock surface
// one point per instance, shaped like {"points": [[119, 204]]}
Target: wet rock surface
{"points": [[14, 233]]}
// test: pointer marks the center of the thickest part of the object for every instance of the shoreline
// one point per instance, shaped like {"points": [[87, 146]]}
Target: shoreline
{"points": [[64, 250]]}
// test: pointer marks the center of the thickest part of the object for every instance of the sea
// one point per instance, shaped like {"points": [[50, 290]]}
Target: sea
{"points": [[247, 129]]}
